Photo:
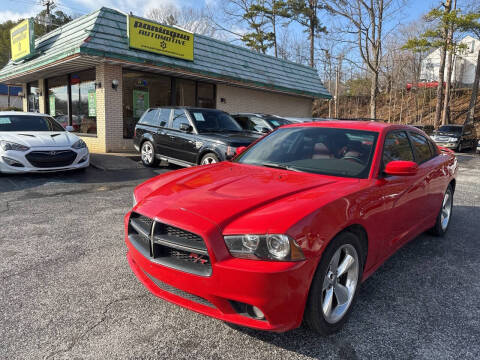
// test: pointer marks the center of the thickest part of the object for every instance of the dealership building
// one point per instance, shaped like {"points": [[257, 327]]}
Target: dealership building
{"points": [[99, 72]]}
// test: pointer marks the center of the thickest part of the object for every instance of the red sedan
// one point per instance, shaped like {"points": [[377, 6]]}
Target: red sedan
{"points": [[289, 229]]}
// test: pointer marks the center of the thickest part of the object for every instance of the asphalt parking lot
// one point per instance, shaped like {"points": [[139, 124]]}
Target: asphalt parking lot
{"points": [[67, 290]]}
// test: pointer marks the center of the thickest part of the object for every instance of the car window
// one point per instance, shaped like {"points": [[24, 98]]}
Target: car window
{"points": [[329, 151], [164, 117], [433, 148], [179, 117], [422, 148], [149, 117], [209, 120], [397, 147], [28, 123]]}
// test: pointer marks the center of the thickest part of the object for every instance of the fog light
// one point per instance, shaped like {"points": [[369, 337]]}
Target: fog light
{"points": [[12, 162]]}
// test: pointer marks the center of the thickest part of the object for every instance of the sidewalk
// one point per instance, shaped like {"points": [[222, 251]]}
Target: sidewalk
{"points": [[116, 161]]}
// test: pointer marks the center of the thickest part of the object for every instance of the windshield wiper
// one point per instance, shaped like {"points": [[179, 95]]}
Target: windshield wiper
{"points": [[280, 166]]}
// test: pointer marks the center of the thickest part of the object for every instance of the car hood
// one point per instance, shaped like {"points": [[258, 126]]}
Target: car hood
{"points": [[447, 133], [226, 192], [40, 138], [232, 138]]}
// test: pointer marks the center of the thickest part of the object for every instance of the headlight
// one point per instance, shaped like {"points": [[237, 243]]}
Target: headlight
{"points": [[7, 145], [134, 200], [264, 247], [452, 139], [80, 144]]}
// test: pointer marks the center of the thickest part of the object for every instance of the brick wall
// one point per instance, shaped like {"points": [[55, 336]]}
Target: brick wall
{"points": [[249, 100]]}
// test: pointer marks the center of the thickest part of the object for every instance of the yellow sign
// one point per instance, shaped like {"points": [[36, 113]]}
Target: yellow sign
{"points": [[153, 37], [22, 40]]}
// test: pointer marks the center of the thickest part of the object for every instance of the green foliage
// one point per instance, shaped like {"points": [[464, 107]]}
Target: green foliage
{"points": [[305, 12], [441, 21], [58, 18], [261, 16]]}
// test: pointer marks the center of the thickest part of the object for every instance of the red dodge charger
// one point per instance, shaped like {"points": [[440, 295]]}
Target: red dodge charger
{"points": [[287, 230]]}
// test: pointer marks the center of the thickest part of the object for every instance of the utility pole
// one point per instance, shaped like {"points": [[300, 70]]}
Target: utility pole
{"points": [[49, 5], [337, 80]]}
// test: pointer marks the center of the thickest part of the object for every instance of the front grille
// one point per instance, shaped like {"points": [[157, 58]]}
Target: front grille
{"points": [[178, 292], [169, 245], [51, 159]]}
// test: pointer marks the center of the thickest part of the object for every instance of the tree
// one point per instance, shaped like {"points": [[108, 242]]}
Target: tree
{"points": [[188, 18], [366, 20], [305, 12], [444, 24]]}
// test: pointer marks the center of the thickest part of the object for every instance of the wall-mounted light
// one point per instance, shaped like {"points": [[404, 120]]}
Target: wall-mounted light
{"points": [[114, 84], [98, 85]]}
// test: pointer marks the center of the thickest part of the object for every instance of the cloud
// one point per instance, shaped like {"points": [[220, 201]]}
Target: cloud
{"points": [[6, 15], [138, 7]]}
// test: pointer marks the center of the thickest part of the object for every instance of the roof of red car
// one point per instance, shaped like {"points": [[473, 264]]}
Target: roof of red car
{"points": [[377, 126]]}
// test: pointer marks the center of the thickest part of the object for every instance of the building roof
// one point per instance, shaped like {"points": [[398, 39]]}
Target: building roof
{"points": [[103, 35]]}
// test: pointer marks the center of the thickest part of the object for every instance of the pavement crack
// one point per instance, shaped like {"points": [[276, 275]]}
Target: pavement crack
{"points": [[84, 334]]}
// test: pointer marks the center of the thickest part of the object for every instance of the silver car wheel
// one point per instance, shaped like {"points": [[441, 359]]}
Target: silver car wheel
{"points": [[446, 209], [340, 283], [147, 153], [208, 160]]}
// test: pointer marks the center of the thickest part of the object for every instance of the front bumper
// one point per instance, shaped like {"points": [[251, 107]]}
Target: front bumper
{"points": [[278, 289], [449, 145], [82, 160]]}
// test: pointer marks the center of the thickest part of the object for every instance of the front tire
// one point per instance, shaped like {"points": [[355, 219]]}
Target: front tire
{"points": [[335, 285], [209, 158], [443, 219], [148, 155]]}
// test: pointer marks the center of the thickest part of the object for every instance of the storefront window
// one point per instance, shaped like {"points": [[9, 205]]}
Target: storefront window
{"points": [[185, 92], [141, 91], [84, 112], [33, 92], [57, 99], [206, 95]]}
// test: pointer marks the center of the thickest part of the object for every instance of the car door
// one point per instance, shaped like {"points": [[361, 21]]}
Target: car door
{"points": [[398, 198], [428, 171], [160, 132], [181, 145]]}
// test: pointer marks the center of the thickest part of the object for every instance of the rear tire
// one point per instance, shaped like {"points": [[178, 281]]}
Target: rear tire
{"points": [[444, 216], [335, 285], [147, 152]]}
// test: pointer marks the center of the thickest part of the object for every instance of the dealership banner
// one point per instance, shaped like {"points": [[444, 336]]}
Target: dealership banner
{"points": [[22, 40], [161, 39]]}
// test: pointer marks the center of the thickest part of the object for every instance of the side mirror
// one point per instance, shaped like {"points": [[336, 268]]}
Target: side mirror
{"points": [[240, 149], [69, 128], [401, 168], [186, 127]]}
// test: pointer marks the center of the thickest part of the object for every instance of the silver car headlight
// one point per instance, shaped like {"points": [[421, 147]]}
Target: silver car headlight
{"points": [[79, 144], [8, 145], [264, 247], [452, 139]]}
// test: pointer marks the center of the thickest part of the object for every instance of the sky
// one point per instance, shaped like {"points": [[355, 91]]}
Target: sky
{"points": [[16, 9]]}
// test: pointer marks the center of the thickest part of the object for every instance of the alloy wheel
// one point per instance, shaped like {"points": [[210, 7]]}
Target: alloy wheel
{"points": [[208, 160], [446, 210], [340, 283], [147, 153]]}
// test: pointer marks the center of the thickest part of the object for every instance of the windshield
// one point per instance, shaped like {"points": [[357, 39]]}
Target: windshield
{"points": [[276, 122], [328, 151], [450, 129], [213, 120], [28, 123]]}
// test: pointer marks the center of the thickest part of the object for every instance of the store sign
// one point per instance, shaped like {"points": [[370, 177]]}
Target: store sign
{"points": [[92, 103], [22, 40], [51, 103], [153, 37], [141, 102]]}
